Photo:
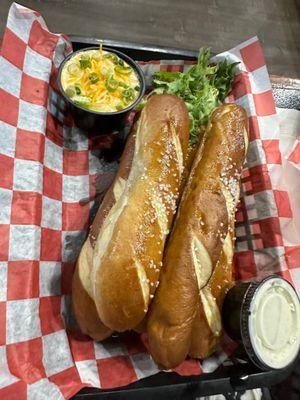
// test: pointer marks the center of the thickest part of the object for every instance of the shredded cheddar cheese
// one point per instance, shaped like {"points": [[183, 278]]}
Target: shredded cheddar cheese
{"points": [[99, 80]]}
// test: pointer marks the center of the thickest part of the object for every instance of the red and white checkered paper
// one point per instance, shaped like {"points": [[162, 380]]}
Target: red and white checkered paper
{"points": [[48, 170]]}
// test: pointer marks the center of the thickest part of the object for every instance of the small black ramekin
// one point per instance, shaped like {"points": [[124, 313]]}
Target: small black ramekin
{"points": [[101, 122], [236, 313]]}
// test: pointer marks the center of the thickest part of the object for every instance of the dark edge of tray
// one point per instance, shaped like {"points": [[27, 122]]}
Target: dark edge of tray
{"points": [[148, 51], [171, 386], [225, 379]]}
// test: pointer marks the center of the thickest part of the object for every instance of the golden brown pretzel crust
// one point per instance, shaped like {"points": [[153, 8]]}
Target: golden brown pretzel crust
{"points": [[125, 268], [109, 198], [128, 252], [201, 234], [83, 304], [203, 341]]}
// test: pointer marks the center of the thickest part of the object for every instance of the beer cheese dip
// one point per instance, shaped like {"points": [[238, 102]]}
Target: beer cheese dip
{"points": [[99, 80]]}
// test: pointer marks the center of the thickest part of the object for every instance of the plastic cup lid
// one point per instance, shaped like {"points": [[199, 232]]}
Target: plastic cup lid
{"points": [[270, 323]]}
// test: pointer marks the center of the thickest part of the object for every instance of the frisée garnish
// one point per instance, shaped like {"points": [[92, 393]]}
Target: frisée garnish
{"points": [[203, 88]]}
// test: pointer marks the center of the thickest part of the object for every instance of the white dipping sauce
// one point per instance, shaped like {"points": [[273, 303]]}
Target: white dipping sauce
{"points": [[274, 323]]}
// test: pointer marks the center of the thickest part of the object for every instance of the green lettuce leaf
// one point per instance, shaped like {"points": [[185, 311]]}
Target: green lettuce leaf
{"points": [[203, 88]]}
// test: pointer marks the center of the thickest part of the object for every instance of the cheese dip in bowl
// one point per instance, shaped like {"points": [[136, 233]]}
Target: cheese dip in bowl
{"points": [[101, 86]]}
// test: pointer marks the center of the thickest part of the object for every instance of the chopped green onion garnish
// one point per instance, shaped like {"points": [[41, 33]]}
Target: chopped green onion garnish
{"points": [[77, 88], [128, 94], [82, 100], [121, 62], [137, 88], [85, 56], [85, 61], [93, 77], [126, 102], [122, 70], [71, 91], [73, 69], [119, 107], [113, 57], [111, 85], [96, 56], [123, 85]]}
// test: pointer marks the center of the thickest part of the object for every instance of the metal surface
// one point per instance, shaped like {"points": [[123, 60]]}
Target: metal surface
{"points": [[286, 92]]}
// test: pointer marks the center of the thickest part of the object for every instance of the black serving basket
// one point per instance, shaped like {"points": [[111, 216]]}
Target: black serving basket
{"points": [[241, 374]]}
